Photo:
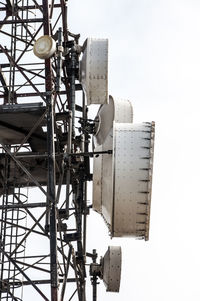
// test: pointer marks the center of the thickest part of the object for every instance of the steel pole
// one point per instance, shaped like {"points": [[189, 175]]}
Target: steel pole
{"points": [[51, 163]]}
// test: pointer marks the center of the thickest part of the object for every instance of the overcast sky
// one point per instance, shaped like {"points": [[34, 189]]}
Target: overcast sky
{"points": [[154, 58]]}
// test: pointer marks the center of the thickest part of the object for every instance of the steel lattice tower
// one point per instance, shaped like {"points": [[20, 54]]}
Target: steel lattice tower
{"points": [[47, 82], [41, 148]]}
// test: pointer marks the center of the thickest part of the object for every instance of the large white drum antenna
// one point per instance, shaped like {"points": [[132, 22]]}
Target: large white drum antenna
{"points": [[94, 70], [122, 180]]}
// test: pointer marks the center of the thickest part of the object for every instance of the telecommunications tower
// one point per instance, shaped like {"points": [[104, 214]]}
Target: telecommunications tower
{"points": [[47, 83]]}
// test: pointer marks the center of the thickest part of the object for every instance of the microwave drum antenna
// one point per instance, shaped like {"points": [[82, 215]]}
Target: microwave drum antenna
{"points": [[118, 110], [123, 179], [94, 70]]}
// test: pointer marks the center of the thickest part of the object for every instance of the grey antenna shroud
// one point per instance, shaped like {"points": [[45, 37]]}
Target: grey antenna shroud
{"points": [[94, 70], [109, 269], [123, 179], [112, 268], [118, 110]]}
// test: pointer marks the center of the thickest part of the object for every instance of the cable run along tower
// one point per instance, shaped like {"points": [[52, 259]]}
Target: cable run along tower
{"points": [[47, 83]]}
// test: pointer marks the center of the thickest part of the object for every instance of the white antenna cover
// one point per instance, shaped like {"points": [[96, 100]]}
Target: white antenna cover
{"points": [[118, 110], [112, 269], [94, 71], [122, 187], [44, 47]]}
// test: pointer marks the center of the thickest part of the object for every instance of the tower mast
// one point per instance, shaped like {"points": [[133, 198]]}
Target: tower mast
{"points": [[38, 94]]}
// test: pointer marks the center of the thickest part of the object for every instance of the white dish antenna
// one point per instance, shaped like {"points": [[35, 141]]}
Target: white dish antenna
{"points": [[44, 47], [94, 70], [112, 269], [109, 269], [122, 180], [118, 110]]}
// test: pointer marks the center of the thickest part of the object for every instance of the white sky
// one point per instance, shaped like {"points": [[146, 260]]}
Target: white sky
{"points": [[155, 62]]}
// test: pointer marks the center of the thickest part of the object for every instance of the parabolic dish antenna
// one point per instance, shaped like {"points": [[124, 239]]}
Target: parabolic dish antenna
{"points": [[44, 47], [122, 180], [112, 269], [109, 269], [118, 110], [94, 70]]}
